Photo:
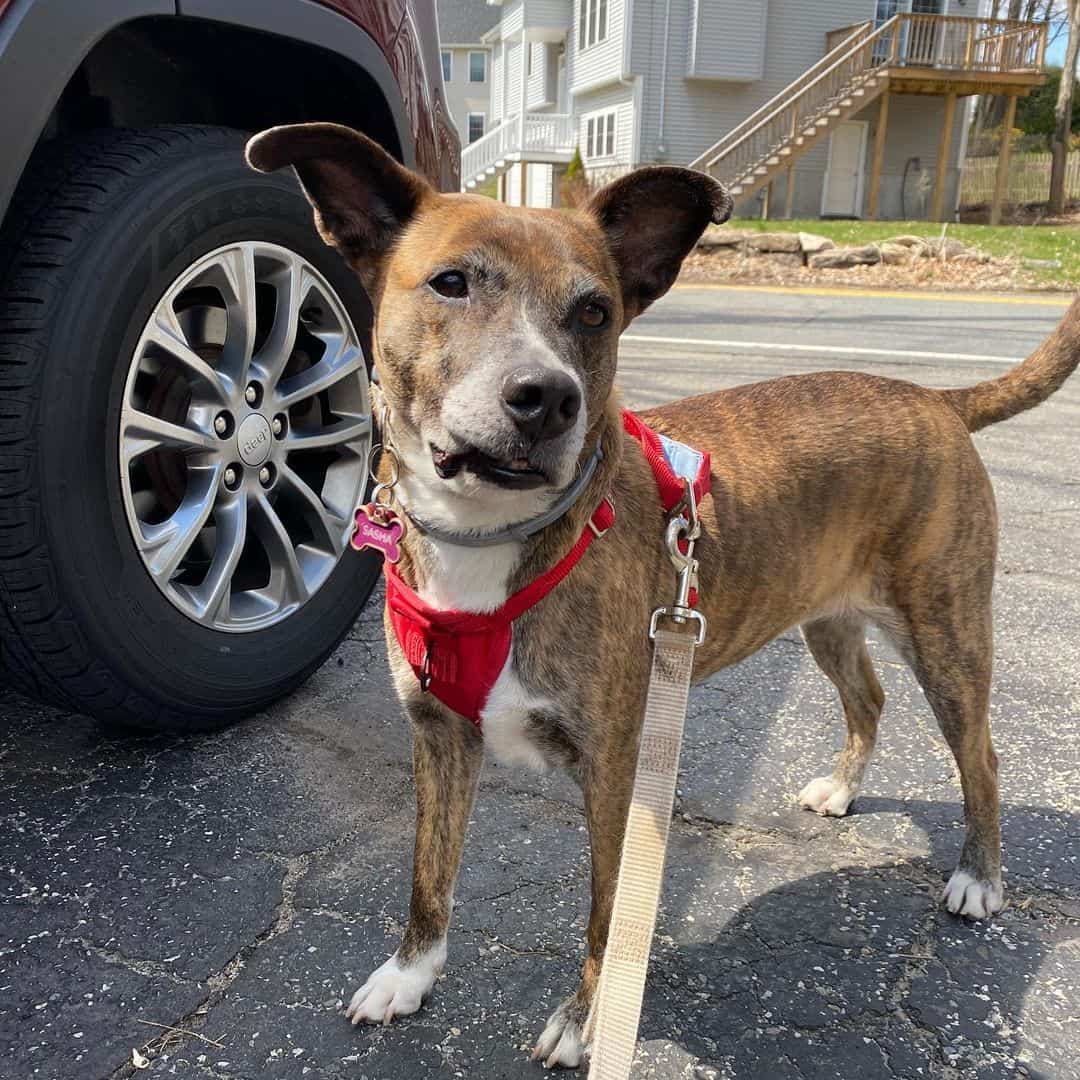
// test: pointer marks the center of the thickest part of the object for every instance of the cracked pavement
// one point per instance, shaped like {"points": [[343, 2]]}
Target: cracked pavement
{"points": [[214, 901]]}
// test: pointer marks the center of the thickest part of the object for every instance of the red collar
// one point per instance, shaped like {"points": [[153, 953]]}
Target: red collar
{"points": [[459, 655]]}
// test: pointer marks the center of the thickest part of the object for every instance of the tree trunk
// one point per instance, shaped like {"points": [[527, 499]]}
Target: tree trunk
{"points": [[1063, 113]]}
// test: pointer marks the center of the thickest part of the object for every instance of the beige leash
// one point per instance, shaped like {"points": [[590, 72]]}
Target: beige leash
{"points": [[641, 870]]}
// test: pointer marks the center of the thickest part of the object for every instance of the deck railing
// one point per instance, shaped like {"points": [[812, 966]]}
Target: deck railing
{"points": [[908, 41], [957, 43], [518, 136]]}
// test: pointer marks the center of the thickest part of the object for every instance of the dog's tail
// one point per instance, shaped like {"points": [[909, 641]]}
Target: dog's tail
{"points": [[1026, 385]]}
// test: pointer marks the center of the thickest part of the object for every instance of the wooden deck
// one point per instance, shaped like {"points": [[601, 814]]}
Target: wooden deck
{"points": [[945, 55]]}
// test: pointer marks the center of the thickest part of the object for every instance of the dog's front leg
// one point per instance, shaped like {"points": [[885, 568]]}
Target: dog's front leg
{"points": [[447, 756], [607, 800]]}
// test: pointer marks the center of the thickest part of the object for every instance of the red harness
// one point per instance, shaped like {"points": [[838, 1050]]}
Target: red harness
{"points": [[459, 655]]}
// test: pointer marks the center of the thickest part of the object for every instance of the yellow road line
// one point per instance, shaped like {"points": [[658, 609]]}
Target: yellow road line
{"points": [[1057, 301]]}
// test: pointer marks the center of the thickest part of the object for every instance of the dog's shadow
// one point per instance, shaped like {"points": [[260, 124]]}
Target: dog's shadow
{"points": [[856, 970]]}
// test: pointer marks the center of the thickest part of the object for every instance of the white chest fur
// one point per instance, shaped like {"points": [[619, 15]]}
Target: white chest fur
{"points": [[476, 579], [468, 579]]}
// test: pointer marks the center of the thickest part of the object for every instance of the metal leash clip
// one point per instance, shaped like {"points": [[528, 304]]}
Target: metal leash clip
{"points": [[683, 525], [376, 524], [384, 511]]}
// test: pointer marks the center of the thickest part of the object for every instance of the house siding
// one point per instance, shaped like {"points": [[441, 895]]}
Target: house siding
{"points": [[539, 184], [698, 112], [498, 88], [620, 100], [542, 88], [914, 131], [727, 39], [601, 63], [513, 17], [549, 14], [464, 97]]}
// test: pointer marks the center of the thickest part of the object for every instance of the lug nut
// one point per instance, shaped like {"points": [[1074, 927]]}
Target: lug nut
{"points": [[277, 426], [231, 477], [221, 424], [251, 394], [266, 475]]}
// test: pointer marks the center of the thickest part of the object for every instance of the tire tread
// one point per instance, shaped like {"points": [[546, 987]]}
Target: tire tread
{"points": [[67, 189]]}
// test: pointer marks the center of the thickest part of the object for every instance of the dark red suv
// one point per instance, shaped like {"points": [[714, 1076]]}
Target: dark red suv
{"points": [[184, 412]]}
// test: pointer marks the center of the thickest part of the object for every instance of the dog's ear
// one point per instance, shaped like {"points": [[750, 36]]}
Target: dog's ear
{"points": [[652, 218], [362, 197]]}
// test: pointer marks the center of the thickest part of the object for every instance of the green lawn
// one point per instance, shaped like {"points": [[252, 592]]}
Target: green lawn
{"points": [[1029, 241]]}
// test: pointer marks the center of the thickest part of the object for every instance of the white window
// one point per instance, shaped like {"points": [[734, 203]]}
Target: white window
{"points": [[447, 65], [476, 126], [600, 135], [592, 22], [477, 67]]}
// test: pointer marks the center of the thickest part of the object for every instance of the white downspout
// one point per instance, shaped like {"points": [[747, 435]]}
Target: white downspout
{"points": [[661, 149]]}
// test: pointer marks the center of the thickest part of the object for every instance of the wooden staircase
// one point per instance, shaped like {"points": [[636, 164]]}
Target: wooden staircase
{"points": [[958, 52]]}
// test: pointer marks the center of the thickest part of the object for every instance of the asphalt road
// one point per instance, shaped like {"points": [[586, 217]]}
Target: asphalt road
{"points": [[240, 886]]}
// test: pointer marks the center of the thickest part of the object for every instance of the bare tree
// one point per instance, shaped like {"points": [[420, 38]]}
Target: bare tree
{"points": [[1063, 112]]}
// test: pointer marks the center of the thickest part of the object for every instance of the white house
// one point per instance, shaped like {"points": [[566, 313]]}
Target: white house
{"points": [[836, 107]]}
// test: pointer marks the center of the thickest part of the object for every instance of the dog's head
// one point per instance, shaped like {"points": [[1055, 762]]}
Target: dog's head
{"points": [[496, 328]]}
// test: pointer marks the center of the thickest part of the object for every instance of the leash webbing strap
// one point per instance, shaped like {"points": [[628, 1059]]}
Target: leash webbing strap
{"points": [[641, 869]]}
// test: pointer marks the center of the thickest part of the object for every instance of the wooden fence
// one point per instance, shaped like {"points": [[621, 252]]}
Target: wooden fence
{"points": [[1029, 179]]}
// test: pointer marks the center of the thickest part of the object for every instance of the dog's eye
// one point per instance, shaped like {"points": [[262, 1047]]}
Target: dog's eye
{"points": [[593, 315], [450, 283]]}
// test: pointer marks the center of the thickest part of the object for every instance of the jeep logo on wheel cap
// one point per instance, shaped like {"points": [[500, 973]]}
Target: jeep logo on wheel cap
{"points": [[254, 440]]}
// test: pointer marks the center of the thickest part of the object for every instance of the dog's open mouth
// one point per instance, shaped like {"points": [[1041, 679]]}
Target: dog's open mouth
{"points": [[512, 473]]}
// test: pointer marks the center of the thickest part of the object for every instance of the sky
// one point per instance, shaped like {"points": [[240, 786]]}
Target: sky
{"points": [[1055, 54]]}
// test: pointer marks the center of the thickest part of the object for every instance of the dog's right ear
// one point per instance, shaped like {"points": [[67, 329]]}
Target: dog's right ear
{"points": [[362, 197]]}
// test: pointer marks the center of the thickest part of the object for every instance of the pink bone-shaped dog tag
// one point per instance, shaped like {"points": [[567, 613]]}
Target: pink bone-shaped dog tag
{"points": [[378, 528]]}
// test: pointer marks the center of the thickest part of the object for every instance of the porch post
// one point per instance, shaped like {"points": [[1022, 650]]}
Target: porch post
{"points": [[874, 205], [1001, 180], [522, 69], [943, 158], [789, 194]]}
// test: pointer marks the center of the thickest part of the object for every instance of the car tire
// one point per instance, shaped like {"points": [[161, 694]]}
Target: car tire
{"points": [[99, 230]]}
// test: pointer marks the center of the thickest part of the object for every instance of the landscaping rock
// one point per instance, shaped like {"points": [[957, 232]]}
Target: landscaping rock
{"points": [[844, 258], [917, 245], [718, 236], [811, 243], [1042, 264], [896, 254], [946, 248], [769, 243]]}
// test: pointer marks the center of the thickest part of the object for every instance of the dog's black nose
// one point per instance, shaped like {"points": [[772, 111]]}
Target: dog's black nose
{"points": [[542, 402]]}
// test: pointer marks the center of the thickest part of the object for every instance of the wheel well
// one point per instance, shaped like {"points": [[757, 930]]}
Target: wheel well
{"points": [[178, 70]]}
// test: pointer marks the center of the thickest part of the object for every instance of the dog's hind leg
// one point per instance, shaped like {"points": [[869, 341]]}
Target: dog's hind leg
{"points": [[838, 644], [950, 652], [447, 756]]}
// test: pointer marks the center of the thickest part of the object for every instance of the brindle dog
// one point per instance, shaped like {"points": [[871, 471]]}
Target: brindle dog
{"points": [[837, 498]]}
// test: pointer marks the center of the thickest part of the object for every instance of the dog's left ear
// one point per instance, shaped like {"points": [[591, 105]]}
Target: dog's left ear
{"points": [[362, 197], [652, 218]]}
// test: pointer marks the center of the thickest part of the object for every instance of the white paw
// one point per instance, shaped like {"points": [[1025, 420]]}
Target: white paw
{"points": [[827, 797], [394, 990], [964, 895], [562, 1042]]}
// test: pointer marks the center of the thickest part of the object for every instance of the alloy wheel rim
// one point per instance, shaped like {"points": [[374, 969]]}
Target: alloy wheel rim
{"points": [[244, 432]]}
